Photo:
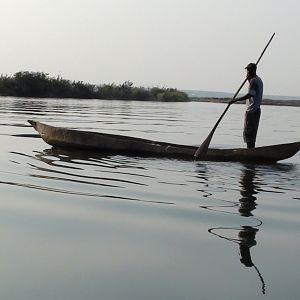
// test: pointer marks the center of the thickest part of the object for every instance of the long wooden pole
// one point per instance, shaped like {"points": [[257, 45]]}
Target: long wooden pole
{"points": [[201, 151]]}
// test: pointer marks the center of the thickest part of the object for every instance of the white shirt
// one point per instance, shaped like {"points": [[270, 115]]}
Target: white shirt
{"points": [[256, 92]]}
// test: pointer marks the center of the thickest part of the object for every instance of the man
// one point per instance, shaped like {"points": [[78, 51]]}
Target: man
{"points": [[253, 100]]}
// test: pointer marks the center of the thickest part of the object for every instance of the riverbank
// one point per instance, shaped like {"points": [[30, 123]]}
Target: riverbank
{"points": [[264, 102]]}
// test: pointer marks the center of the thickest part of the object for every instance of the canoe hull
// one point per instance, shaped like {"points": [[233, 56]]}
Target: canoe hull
{"points": [[76, 139]]}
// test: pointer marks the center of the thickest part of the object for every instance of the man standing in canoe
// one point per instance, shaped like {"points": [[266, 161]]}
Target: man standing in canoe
{"points": [[253, 100]]}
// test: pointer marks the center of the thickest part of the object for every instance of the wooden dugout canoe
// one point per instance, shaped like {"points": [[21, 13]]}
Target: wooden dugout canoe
{"points": [[102, 142]]}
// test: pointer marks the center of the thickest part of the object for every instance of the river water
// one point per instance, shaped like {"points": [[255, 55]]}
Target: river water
{"points": [[77, 225]]}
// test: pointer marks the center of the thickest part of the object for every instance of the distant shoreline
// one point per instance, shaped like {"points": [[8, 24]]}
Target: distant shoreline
{"points": [[295, 103]]}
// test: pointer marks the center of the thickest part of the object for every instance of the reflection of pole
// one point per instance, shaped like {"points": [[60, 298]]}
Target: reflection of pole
{"points": [[263, 288]]}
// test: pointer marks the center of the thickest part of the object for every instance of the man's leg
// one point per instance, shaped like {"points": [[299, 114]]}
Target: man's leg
{"points": [[250, 145], [250, 128]]}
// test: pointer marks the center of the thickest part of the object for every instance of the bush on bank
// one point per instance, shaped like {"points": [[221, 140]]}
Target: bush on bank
{"points": [[41, 85]]}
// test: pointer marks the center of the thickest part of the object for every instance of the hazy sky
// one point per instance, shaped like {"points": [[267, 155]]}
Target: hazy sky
{"points": [[186, 44]]}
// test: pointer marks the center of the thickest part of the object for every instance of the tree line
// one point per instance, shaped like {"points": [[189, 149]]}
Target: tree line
{"points": [[41, 85]]}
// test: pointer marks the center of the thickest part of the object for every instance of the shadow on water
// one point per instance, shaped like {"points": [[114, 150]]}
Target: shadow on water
{"points": [[245, 235], [79, 159], [83, 167]]}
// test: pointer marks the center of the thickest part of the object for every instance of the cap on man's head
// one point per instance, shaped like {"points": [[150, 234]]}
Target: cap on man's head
{"points": [[251, 66]]}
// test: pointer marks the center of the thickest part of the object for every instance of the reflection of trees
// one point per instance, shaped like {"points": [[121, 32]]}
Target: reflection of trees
{"points": [[246, 237]]}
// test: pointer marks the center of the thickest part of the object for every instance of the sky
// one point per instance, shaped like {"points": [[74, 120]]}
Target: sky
{"points": [[183, 44]]}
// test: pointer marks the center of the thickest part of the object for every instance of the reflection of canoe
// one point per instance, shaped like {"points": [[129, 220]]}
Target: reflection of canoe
{"points": [[63, 137]]}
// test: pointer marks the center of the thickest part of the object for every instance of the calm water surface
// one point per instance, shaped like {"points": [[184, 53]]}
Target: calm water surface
{"points": [[97, 226]]}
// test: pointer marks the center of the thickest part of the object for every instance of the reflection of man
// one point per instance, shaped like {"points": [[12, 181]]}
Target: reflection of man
{"points": [[247, 240], [246, 234], [254, 98], [247, 204]]}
